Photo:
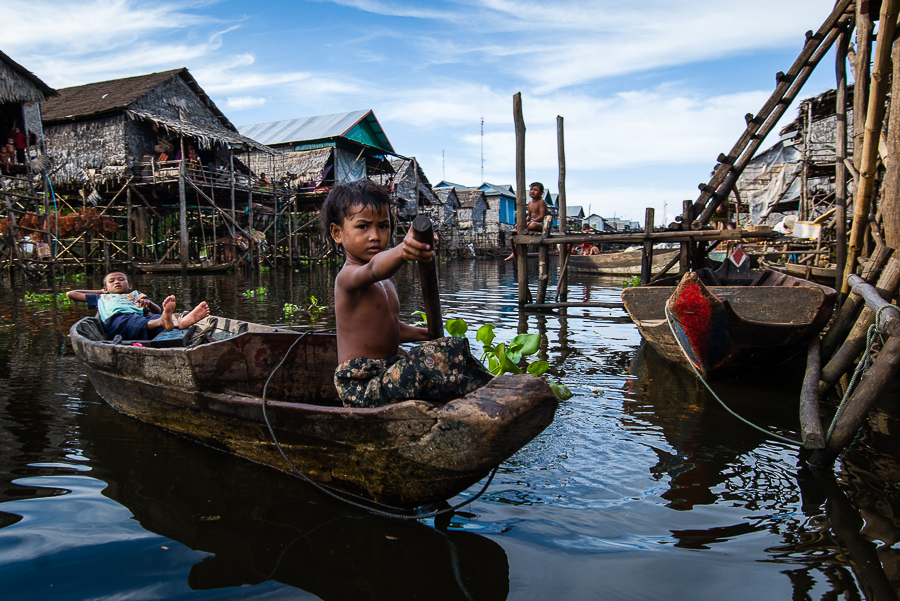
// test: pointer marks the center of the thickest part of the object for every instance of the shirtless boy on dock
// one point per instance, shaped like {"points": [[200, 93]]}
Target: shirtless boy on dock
{"points": [[122, 310], [373, 370], [535, 212]]}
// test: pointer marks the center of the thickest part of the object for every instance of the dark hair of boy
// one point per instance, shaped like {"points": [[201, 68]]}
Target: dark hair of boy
{"points": [[345, 199]]}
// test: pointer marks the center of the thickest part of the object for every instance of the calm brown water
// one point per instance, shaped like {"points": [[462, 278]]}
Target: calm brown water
{"points": [[642, 488]]}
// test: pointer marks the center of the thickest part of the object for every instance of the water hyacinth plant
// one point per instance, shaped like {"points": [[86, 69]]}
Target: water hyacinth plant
{"points": [[506, 358]]}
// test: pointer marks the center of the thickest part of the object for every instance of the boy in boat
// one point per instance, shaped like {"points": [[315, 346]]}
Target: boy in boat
{"points": [[535, 212], [373, 370], [122, 310]]}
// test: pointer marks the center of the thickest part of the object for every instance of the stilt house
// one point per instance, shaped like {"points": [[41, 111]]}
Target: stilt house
{"points": [[21, 95]]}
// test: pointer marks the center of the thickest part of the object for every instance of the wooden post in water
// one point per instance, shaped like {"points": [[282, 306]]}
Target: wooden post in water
{"points": [[647, 256], [686, 257], [521, 253], [810, 420], [423, 231], [562, 284]]}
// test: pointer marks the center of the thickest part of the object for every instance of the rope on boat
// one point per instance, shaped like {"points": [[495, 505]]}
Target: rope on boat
{"points": [[864, 363], [670, 320], [349, 498]]}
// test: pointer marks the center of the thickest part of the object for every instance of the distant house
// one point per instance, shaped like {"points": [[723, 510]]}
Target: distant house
{"points": [[407, 174], [449, 200], [574, 217], [318, 152], [472, 209], [100, 133], [21, 95], [599, 223]]}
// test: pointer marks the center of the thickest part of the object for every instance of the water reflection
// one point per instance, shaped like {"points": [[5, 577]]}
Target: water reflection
{"points": [[643, 486], [211, 502]]}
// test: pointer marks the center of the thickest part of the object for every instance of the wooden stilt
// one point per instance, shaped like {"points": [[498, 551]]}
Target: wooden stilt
{"points": [[810, 420], [647, 256], [562, 283], [522, 254], [182, 214], [840, 150]]}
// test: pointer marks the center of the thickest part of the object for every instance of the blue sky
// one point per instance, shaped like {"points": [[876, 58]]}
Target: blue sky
{"points": [[651, 92]]}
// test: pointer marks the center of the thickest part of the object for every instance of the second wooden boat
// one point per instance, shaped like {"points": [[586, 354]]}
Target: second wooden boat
{"points": [[625, 262], [191, 268], [718, 321], [406, 454]]}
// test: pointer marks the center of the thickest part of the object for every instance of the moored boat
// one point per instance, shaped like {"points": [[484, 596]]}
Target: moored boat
{"points": [[716, 321], [406, 455], [625, 262]]}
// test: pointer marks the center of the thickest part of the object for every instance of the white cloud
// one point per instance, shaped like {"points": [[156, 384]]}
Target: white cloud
{"points": [[242, 103]]}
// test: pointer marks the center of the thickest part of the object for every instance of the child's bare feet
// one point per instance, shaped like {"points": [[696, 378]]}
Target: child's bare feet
{"points": [[198, 313], [168, 307]]}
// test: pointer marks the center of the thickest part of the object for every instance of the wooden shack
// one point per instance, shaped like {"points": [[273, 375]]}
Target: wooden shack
{"points": [[21, 95], [154, 168]]}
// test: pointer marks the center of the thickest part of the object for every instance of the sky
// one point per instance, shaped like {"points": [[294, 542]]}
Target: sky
{"points": [[650, 92]]}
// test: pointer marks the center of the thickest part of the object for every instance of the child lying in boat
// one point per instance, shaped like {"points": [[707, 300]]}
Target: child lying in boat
{"points": [[122, 310], [373, 369]]}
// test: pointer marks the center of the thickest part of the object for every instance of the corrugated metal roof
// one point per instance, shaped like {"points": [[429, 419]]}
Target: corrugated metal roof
{"points": [[312, 128]]}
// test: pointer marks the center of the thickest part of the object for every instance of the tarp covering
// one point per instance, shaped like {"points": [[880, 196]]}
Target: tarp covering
{"points": [[772, 177]]}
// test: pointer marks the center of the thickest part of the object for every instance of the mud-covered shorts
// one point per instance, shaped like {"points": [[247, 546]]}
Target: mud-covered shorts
{"points": [[436, 370]]}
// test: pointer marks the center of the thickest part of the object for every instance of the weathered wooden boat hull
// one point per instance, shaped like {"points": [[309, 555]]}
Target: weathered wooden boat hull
{"points": [[626, 262], [191, 268], [406, 454], [821, 275], [740, 325]]}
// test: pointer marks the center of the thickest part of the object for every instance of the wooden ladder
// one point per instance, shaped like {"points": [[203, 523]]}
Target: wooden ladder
{"points": [[787, 87]]}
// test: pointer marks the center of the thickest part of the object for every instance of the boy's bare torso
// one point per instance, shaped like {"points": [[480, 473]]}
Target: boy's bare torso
{"points": [[370, 321]]}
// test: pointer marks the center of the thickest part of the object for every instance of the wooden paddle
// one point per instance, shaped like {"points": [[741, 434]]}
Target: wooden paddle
{"points": [[424, 232]]}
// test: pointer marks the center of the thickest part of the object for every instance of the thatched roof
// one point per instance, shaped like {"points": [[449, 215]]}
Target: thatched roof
{"points": [[206, 136], [116, 95], [18, 84]]}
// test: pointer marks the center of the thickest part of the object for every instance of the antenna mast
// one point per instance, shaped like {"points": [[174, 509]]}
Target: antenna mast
{"points": [[482, 149]]}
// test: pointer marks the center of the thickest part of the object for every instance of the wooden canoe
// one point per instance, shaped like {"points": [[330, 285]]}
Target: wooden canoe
{"points": [[191, 268], [625, 262], [723, 323], [406, 455], [821, 275]]}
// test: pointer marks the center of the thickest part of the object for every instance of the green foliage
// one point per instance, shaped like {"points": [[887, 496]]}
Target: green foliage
{"points": [[46, 300], [258, 293], [422, 319], [632, 282], [264, 269], [312, 310], [72, 277], [506, 358]]}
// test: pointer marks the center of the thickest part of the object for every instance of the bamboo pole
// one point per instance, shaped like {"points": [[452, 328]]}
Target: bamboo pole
{"points": [[562, 284], [874, 121], [522, 255], [182, 214], [840, 151], [890, 197]]}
